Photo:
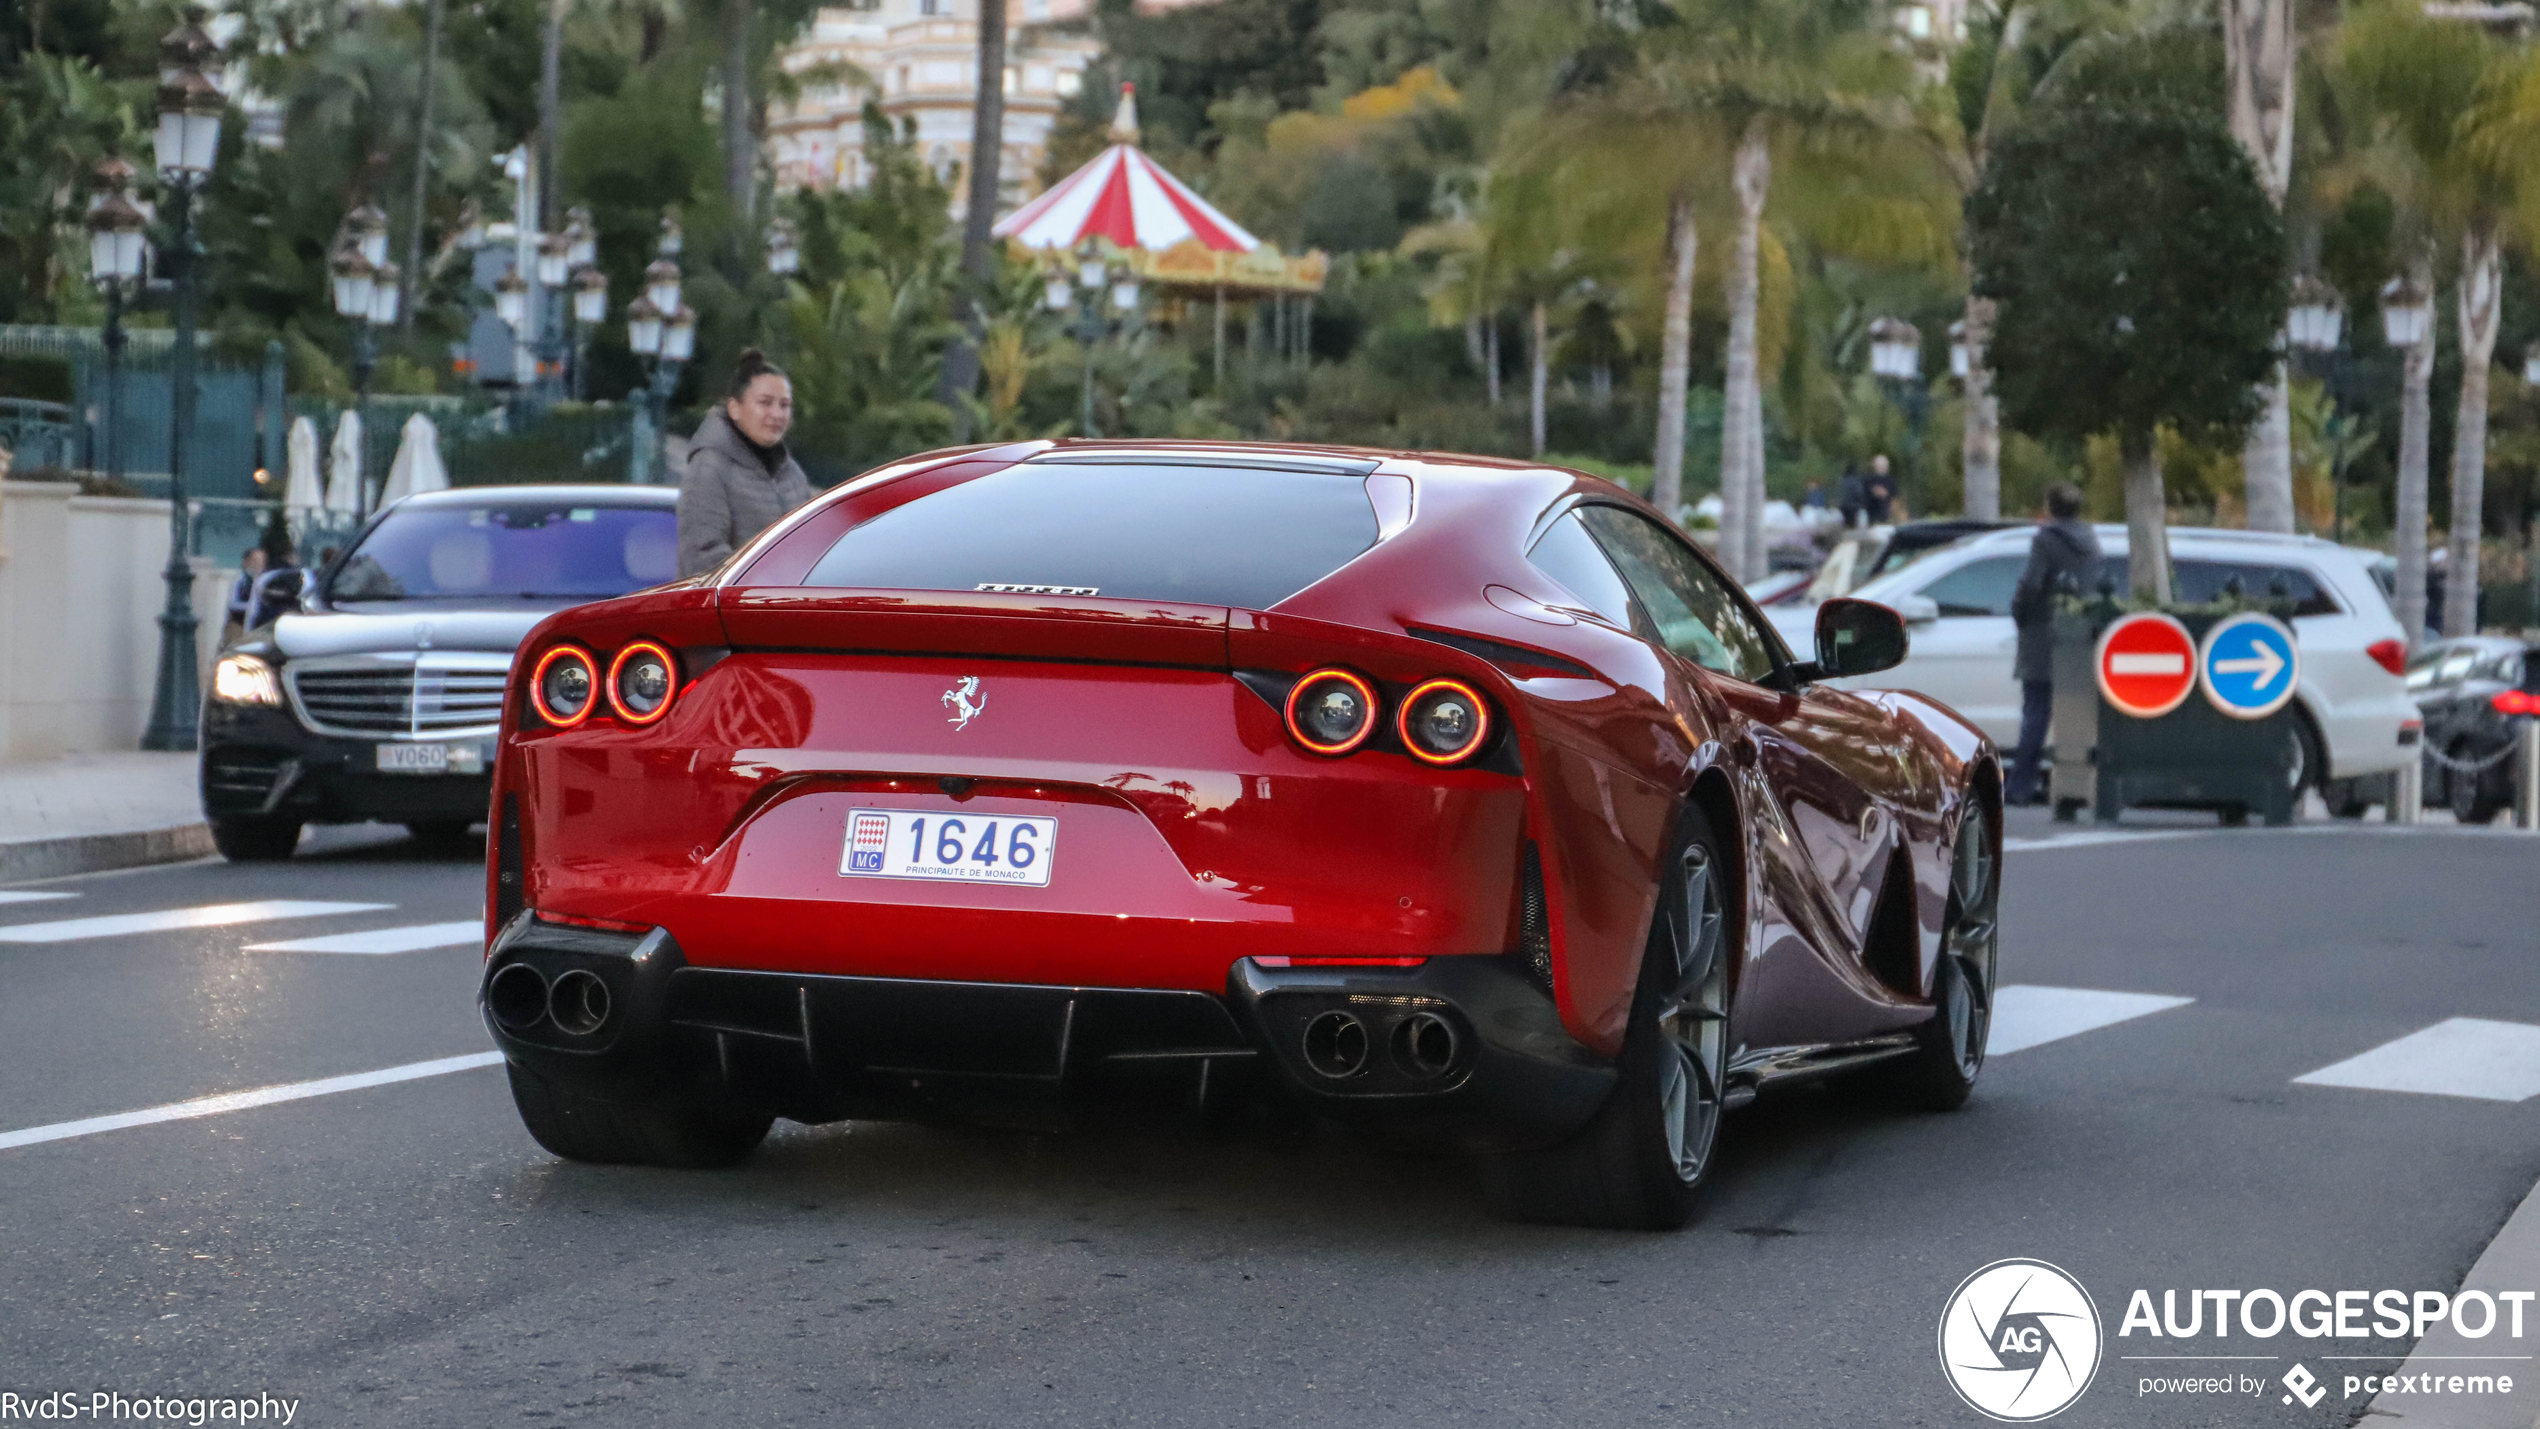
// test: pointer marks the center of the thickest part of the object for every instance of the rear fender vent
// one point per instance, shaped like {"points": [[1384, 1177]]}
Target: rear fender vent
{"points": [[1534, 921], [1891, 945]]}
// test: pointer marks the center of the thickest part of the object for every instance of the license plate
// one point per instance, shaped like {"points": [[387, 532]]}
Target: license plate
{"points": [[949, 848], [429, 758]]}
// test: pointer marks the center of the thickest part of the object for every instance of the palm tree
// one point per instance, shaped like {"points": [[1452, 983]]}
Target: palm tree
{"points": [[1786, 79], [2436, 102]]}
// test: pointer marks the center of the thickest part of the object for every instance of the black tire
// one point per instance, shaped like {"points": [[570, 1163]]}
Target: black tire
{"points": [[255, 838], [1948, 1051], [2347, 798], [1640, 1164], [2470, 800], [439, 835], [687, 1136], [2310, 763]]}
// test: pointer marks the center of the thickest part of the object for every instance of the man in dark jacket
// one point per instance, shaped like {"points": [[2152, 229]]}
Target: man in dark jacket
{"points": [[740, 479], [2062, 560]]}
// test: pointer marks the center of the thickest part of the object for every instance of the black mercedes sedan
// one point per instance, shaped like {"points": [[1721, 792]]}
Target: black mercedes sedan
{"points": [[381, 696]]}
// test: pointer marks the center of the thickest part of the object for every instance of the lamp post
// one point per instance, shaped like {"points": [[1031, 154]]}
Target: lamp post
{"points": [[366, 292], [1093, 280], [187, 145], [661, 330], [784, 247], [2314, 324], [1896, 359], [118, 249]]}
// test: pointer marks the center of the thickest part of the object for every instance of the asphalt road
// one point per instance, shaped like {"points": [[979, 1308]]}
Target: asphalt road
{"points": [[403, 1254]]}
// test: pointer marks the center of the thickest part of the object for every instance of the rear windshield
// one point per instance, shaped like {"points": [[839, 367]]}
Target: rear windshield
{"points": [[506, 550], [1236, 536]]}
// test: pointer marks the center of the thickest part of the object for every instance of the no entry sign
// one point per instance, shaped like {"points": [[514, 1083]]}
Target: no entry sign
{"points": [[2146, 664]]}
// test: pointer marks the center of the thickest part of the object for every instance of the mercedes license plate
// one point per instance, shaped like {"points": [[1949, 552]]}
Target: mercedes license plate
{"points": [[951, 848], [430, 759]]}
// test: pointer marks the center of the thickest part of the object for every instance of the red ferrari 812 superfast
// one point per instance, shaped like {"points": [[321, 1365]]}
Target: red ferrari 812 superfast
{"points": [[1458, 798]]}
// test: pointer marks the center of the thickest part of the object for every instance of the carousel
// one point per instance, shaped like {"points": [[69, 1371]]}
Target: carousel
{"points": [[1125, 219]]}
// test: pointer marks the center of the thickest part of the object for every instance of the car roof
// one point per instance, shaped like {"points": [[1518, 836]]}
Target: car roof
{"points": [[2252, 542], [587, 494]]}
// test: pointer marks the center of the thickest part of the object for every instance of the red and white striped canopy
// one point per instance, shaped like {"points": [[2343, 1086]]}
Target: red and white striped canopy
{"points": [[1126, 197]]}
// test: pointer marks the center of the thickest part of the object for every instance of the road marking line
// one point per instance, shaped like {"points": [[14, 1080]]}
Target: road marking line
{"points": [[2026, 1016], [8, 897], [2457, 1057], [380, 941], [2096, 836], [240, 1101], [211, 915]]}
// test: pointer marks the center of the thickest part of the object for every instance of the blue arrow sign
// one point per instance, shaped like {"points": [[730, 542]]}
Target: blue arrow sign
{"points": [[2249, 665]]}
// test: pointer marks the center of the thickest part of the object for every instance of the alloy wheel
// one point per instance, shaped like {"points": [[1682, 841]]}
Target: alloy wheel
{"points": [[1694, 1020], [1972, 942]]}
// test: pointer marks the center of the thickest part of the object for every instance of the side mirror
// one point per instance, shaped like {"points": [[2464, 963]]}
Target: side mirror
{"points": [[1918, 609], [1861, 637]]}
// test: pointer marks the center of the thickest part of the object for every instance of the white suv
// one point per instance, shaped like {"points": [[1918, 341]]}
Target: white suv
{"points": [[2354, 704]]}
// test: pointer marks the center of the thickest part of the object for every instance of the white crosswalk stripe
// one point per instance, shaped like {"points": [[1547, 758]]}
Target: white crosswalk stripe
{"points": [[2457, 1057], [380, 941], [8, 896], [212, 915], [2025, 1015]]}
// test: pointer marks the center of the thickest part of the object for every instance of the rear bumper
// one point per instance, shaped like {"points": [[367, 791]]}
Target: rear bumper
{"points": [[1459, 1053]]}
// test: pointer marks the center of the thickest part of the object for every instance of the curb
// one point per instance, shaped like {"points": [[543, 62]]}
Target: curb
{"points": [[24, 859], [2510, 1262]]}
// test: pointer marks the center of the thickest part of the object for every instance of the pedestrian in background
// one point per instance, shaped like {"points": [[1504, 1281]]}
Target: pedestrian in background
{"points": [[740, 479], [1848, 497], [2063, 559], [242, 593], [1878, 493]]}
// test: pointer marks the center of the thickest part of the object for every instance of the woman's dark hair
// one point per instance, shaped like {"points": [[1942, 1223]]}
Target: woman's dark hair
{"points": [[2063, 501], [749, 367]]}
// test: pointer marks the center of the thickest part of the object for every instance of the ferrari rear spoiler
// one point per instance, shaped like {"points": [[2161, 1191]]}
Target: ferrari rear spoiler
{"points": [[983, 623]]}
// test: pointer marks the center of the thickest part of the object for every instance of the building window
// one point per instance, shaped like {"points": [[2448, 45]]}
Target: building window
{"points": [[1069, 81], [902, 86], [930, 7]]}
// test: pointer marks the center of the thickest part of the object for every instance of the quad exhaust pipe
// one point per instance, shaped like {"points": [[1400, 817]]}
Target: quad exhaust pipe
{"points": [[1336, 1045], [520, 997], [1424, 1046]]}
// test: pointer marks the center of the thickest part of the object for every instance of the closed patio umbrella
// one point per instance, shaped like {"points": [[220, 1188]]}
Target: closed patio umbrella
{"points": [[344, 466]]}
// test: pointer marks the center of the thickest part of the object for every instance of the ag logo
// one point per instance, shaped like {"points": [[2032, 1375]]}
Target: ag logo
{"points": [[2019, 1340], [965, 701]]}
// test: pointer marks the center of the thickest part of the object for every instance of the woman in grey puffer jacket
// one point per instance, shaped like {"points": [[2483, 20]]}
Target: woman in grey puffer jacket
{"points": [[740, 479]]}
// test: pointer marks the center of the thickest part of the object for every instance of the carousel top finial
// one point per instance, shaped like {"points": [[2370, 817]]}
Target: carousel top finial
{"points": [[1124, 120]]}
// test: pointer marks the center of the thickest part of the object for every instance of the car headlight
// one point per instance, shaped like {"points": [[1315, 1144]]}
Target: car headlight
{"points": [[245, 680]]}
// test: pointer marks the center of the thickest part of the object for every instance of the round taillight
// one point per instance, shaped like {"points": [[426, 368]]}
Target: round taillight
{"points": [[1332, 711], [641, 681], [1444, 722], [564, 687]]}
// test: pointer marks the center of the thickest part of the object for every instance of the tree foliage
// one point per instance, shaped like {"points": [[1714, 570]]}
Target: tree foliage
{"points": [[2140, 269]]}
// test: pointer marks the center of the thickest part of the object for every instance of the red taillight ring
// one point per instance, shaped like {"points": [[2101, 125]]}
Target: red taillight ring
{"points": [[538, 686], [1481, 722], [617, 667], [1366, 692]]}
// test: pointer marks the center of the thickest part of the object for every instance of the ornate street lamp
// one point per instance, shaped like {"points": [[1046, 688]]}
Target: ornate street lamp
{"points": [[511, 299], [2531, 364], [366, 296], [1958, 350], [118, 254], [2313, 325], [661, 284], [188, 144], [671, 242], [581, 238], [784, 247], [2317, 317], [590, 309], [660, 329]]}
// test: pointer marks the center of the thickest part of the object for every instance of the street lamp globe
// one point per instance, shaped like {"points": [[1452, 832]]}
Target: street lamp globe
{"points": [[2317, 316], [582, 239], [1124, 293], [1896, 349], [552, 266], [2531, 364], [2407, 311], [661, 285], [1958, 349], [643, 327], [1058, 293], [369, 227], [511, 298], [117, 244], [671, 242], [784, 247], [679, 336], [1090, 273], [188, 138], [354, 279], [590, 296], [384, 296]]}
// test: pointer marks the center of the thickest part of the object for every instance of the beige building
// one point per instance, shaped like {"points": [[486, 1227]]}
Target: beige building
{"points": [[922, 60]]}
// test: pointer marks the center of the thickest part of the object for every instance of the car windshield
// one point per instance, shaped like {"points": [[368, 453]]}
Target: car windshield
{"points": [[515, 550], [1237, 536]]}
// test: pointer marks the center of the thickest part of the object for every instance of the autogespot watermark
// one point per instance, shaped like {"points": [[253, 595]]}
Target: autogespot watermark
{"points": [[106, 1406], [2020, 1340]]}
